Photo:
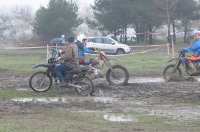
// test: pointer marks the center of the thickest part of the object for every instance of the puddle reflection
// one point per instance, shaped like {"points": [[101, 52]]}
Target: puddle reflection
{"points": [[145, 80], [66, 99], [150, 80], [120, 118]]}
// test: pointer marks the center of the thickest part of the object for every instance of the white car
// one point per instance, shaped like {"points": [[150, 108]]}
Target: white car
{"points": [[108, 45], [130, 34], [181, 33]]}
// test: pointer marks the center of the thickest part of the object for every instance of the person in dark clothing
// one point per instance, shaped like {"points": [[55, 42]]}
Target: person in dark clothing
{"points": [[57, 42], [70, 58]]}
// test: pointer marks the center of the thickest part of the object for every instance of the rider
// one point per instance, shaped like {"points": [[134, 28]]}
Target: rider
{"points": [[81, 44], [62, 40], [195, 47], [70, 58], [57, 42]]}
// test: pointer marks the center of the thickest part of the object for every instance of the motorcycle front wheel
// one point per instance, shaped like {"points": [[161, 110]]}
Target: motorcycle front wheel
{"points": [[119, 77], [86, 86], [40, 82], [169, 73]]}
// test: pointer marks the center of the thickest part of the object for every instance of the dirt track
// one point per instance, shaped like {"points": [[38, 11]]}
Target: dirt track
{"points": [[158, 98]]}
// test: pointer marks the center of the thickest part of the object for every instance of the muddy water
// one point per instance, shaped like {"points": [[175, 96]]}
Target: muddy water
{"points": [[145, 94], [66, 99], [120, 118], [145, 80], [150, 80]]}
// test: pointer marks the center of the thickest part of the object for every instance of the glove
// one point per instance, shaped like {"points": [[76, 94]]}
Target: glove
{"points": [[95, 51], [182, 51]]}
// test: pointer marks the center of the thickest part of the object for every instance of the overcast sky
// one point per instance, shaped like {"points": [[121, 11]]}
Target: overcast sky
{"points": [[33, 3]]}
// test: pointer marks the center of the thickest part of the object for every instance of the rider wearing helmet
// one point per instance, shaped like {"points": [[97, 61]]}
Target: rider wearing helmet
{"points": [[57, 42], [81, 44], [62, 40], [195, 47]]}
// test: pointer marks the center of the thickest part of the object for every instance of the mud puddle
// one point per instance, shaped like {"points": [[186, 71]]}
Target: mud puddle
{"points": [[120, 118], [151, 80], [145, 80], [66, 99]]}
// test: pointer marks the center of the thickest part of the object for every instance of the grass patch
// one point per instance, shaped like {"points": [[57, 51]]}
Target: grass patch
{"points": [[21, 61], [61, 120], [10, 94]]}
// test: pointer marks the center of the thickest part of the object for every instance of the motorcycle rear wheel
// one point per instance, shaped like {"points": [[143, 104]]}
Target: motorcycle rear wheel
{"points": [[86, 86], [120, 78], [40, 82], [168, 72]]}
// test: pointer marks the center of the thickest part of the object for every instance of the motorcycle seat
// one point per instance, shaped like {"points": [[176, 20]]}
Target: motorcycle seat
{"points": [[79, 70]]}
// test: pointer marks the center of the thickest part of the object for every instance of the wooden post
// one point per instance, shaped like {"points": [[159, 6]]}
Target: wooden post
{"points": [[47, 52], [172, 49], [168, 45]]}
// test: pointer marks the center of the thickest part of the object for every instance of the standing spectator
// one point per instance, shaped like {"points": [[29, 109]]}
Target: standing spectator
{"points": [[114, 36]]}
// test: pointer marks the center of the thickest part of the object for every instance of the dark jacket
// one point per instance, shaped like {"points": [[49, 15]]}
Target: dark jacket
{"points": [[70, 55], [55, 41]]}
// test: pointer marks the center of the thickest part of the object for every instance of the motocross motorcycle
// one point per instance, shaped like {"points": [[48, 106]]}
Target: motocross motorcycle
{"points": [[174, 70], [116, 74], [42, 81]]}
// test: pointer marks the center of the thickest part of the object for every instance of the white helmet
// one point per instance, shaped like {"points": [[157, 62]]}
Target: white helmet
{"points": [[80, 37], [62, 36]]}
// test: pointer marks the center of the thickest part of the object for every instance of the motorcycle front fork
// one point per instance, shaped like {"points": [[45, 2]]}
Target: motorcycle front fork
{"points": [[176, 66]]}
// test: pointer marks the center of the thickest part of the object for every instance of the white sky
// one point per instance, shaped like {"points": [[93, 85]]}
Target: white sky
{"points": [[35, 4]]}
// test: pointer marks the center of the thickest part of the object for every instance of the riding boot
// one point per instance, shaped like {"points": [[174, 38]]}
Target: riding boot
{"points": [[192, 70]]}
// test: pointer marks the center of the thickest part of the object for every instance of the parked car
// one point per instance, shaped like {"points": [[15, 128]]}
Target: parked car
{"points": [[130, 34], [180, 33], [108, 45]]}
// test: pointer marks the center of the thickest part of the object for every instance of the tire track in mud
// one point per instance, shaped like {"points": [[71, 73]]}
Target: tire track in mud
{"points": [[158, 98]]}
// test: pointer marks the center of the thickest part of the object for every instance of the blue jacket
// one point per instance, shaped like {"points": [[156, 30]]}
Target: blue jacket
{"points": [[82, 49], [195, 47]]}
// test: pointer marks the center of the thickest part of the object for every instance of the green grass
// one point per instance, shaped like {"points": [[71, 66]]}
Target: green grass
{"points": [[61, 120], [21, 61]]}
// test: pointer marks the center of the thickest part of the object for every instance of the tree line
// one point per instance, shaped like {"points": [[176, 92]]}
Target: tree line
{"points": [[61, 17], [144, 15]]}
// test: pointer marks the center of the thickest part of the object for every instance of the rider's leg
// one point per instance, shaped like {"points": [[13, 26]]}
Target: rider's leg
{"points": [[58, 71], [192, 69]]}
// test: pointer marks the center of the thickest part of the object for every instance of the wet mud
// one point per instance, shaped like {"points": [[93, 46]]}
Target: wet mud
{"points": [[149, 94]]}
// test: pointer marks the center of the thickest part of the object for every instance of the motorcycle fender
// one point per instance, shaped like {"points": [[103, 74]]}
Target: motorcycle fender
{"points": [[40, 65], [172, 60]]}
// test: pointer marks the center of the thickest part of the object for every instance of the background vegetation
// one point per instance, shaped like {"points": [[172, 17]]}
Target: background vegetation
{"points": [[20, 25]]}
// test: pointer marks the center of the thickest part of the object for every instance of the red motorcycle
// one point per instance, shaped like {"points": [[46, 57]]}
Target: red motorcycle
{"points": [[116, 74]]}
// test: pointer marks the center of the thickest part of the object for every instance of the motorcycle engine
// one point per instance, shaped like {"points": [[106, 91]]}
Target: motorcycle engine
{"points": [[197, 65]]}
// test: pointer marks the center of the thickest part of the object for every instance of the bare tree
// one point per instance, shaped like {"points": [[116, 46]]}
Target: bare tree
{"points": [[16, 24], [167, 9]]}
